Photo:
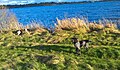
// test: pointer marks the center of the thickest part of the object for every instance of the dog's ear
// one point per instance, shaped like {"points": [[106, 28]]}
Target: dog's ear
{"points": [[74, 39]]}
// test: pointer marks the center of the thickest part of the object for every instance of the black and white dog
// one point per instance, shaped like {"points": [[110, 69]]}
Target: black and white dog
{"points": [[19, 32], [78, 44]]}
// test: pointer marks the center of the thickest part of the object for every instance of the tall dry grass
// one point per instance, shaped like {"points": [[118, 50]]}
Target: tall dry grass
{"points": [[35, 26], [8, 20], [77, 24], [71, 24]]}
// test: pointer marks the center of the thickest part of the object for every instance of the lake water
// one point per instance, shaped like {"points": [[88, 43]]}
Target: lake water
{"points": [[47, 14]]}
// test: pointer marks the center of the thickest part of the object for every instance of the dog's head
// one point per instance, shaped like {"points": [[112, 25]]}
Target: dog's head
{"points": [[74, 40]]}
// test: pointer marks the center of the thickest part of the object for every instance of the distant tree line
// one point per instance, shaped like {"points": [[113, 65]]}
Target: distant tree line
{"points": [[50, 3], [43, 4]]}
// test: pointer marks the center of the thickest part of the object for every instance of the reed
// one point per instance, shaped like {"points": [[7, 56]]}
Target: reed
{"points": [[8, 20], [35, 26], [77, 24], [71, 24], [95, 26]]}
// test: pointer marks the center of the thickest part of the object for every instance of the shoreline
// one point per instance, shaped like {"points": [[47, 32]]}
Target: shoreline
{"points": [[50, 4]]}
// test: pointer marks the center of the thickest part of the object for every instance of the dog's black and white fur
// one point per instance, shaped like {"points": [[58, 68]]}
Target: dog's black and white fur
{"points": [[19, 32], [78, 44]]}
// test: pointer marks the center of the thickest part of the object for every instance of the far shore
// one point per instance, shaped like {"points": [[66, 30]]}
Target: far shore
{"points": [[51, 4]]}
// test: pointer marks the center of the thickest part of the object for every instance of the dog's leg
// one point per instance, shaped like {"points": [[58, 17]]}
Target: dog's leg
{"points": [[78, 51], [86, 46]]}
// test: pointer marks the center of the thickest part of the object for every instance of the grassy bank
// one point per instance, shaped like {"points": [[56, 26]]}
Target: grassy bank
{"points": [[34, 52], [43, 49]]}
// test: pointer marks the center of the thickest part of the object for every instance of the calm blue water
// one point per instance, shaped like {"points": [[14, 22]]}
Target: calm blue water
{"points": [[47, 14]]}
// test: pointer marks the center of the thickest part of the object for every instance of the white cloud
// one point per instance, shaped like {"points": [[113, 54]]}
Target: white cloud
{"points": [[32, 1], [13, 2]]}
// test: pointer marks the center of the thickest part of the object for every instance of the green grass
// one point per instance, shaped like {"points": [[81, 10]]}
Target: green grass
{"points": [[59, 57], [28, 52]]}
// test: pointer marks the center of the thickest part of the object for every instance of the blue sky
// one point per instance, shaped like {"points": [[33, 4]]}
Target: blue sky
{"points": [[33, 1]]}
